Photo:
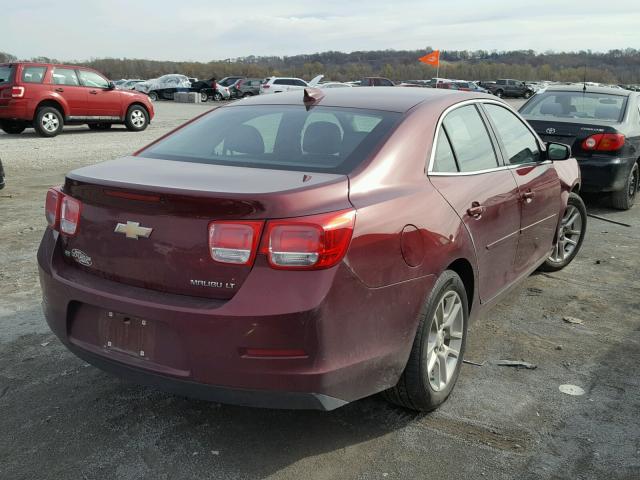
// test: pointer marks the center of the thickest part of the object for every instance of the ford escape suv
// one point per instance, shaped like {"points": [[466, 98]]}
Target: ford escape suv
{"points": [[47, 96]]}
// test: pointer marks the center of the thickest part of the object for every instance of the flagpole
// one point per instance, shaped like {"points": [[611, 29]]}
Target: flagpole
{"points": [[437, 72]]}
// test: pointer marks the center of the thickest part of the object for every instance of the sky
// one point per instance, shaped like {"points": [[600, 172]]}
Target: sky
{"points": [[204, 30]]}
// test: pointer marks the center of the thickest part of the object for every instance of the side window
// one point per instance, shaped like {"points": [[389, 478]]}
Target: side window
{"points": [[92, 79], [280, 81], [470, 140], [386, 83], [299, 83], [519, 143], [65, 76], [33, 74], [444, 160]]}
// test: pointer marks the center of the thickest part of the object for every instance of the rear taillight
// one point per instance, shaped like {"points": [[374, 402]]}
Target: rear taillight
{"points": [[69, 215], [234, 242], [62, 211], [17, 92], [52, 207], [308, 243], [604, 142], [265, 85]]}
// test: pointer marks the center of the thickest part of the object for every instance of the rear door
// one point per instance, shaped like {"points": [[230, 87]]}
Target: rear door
{"points": [[65, 82], [102, 101], [467, 172], [538, 185]]}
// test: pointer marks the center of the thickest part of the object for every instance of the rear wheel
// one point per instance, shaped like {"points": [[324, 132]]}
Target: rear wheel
{"points": [[48, 122], [436, 357], [217, 96], [13, 128], [204, 96], [137, 118], [625, 198], [570, 235], [527, 94]]}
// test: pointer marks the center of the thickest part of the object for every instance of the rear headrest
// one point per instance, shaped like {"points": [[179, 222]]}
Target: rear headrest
{"points": [[607, 112], [322, 138], [244, 139], [551, 109]]}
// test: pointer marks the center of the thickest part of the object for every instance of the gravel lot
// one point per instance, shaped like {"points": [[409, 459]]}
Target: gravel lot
{"points": [[60, 418]]}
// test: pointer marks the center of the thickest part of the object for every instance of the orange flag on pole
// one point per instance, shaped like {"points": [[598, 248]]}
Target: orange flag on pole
{"points": [[432, 58]]}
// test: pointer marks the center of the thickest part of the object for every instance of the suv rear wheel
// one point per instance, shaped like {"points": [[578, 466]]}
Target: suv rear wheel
{"points": [[13, 128], [137, 118], [48, 122]]}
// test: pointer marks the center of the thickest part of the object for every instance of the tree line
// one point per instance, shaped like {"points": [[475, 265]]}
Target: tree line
{"points": [[620, 66]]}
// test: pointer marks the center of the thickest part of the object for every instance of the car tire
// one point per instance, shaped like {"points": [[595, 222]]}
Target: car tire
{"points": [[527, 94], [625, 198], [499, 93], [153, 96], [48, 122], [421, 389], [217, 96], [570, 235], [13, 128], [137, 118], [204, 97], [99, 126]]}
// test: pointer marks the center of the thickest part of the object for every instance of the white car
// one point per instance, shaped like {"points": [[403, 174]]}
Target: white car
{"points": [[286, 84], [334, 85]]}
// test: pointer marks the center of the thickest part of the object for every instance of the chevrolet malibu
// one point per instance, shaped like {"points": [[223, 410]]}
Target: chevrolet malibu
{"points": [[308, 249]]}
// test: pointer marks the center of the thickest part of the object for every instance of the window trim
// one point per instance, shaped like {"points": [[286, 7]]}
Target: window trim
{"points": [[74, 70], [429, 170], [79, 70]]}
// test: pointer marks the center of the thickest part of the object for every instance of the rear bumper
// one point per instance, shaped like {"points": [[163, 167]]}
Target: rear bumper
{"points": [[16, 109], [604, 173], [356, 340]]}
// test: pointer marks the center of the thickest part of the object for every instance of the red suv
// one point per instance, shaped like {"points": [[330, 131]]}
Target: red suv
{"points": [[47, 96]]}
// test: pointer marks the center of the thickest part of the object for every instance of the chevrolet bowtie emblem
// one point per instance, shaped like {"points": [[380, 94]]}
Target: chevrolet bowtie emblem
{"points": [[133, 230]]}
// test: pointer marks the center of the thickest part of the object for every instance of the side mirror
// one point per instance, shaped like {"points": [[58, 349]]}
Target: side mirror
{"points": [[558, 151], [111, 85]]}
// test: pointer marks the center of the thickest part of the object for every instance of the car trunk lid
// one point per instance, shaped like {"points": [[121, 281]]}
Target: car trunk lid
{"points": [[177, 201], [570, 133]]}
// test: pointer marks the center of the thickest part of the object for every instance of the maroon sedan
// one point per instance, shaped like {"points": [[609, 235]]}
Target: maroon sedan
{"points": [[307, 249]]}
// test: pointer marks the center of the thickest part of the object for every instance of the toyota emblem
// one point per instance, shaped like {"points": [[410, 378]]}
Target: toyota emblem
{"points": [[551, 131]]}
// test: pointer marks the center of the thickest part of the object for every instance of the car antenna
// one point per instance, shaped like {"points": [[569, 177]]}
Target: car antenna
{"points": [[584, 81]]}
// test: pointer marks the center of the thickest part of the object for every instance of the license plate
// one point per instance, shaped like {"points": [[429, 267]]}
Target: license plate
{"points": [[127, 334]]}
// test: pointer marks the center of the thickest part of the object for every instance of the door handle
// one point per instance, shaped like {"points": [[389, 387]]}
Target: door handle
{"points": [[528, 196], [476, 210], [59, 89], [93, 92]]}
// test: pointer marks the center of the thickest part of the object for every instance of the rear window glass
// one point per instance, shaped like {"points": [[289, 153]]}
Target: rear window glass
{"points": [[321, 139], [33, 74], [570, 105], [6, 73]]}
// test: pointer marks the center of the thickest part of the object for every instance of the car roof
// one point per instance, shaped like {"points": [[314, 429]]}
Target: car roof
{"points": [[393, 99], [44, 64], [579, 88]]}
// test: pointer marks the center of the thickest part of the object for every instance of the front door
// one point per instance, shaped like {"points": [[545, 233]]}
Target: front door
{"points": [[538, 186], [483, 193], [102, 101], [65, 84]]}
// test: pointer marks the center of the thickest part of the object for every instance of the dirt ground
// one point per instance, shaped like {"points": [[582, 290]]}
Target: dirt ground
{"points": [[60, 418]]}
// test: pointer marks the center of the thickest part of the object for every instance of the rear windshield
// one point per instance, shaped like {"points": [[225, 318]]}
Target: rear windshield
{"points": [[284, 137], [6, 73], [571, 105]]}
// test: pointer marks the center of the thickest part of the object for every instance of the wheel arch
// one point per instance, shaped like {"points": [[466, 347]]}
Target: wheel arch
{"points": [[51, 103], [464, 269], [139, 103]]}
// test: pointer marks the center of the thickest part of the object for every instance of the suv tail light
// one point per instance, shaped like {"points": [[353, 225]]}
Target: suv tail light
{"points": [[17, 92], [62, 211], [604, 142], [264, 85], [234, 242], [308, 243]]}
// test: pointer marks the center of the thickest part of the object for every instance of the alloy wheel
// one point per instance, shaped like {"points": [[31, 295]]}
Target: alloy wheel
{"points": [[633, 183], [50, 122], [138, 118], [568, 236], [445, 340]]}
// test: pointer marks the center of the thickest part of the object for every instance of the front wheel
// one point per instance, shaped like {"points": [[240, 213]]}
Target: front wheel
{"points": [[137, 118], [217, 96], [438, 347], [625, 198], [153, 96], [499, 93], [570, 235], [13, 128], [527, 94]]}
